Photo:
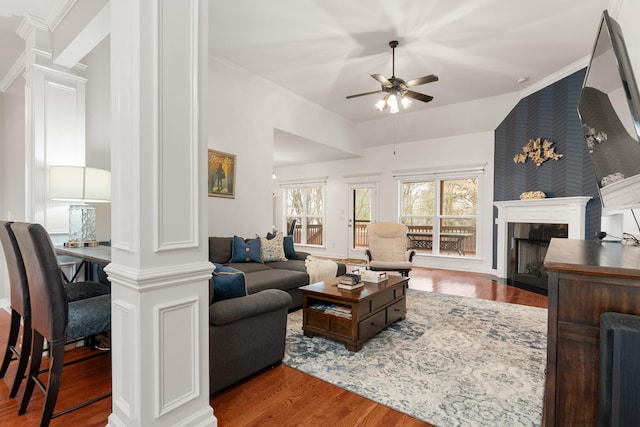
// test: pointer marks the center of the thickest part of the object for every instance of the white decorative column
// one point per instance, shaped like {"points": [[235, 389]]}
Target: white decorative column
{"points": [[54, 123], [160, 269]]}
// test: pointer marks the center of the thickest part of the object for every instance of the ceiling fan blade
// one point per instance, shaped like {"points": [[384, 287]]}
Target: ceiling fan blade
{"points": [[382, 79], [422, 80], [418, 96], [363, 94]]}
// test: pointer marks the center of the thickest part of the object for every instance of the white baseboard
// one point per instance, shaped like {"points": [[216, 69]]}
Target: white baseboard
{"points": [[5, 304]]}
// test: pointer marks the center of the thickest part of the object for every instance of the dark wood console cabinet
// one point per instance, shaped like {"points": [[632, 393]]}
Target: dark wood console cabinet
{"points": [[586, 278]]}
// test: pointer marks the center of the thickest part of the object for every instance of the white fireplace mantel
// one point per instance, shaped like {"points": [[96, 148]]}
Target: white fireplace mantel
{"points": [[559, 210]]}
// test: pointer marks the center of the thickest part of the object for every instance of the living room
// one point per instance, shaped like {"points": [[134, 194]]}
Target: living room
{"points": [[451, 138]]}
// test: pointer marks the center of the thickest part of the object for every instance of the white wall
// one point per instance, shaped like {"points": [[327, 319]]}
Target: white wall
{"points": [[12, 160], [243, 124], [98, 124], [4, 290], [449, 153], [242, 120], [627, 13]]}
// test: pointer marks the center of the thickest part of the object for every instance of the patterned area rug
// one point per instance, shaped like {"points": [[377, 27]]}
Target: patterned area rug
{"points": [[453, 361]]}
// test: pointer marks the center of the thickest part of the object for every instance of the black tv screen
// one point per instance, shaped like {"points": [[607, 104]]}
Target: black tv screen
{"points": [[609, 109]]}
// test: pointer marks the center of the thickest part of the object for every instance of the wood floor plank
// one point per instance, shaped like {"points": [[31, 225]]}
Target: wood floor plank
{"points": [[281, 396]]}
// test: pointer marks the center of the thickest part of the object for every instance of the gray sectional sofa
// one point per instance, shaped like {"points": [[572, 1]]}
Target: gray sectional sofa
{"points": [[285, 275], [247, 334]]}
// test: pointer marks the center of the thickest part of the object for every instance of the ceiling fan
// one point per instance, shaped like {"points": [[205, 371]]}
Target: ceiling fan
{"points": [[395, 87]]}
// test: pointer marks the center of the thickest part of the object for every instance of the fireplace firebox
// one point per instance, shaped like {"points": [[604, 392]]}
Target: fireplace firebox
{"points": [[528, 246]]}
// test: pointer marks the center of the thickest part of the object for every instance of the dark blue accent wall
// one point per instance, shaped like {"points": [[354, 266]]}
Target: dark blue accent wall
{"points": [[550, 113]]}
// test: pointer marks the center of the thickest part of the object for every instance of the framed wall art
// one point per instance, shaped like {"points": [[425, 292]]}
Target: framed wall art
{"points": [[222, 174]]}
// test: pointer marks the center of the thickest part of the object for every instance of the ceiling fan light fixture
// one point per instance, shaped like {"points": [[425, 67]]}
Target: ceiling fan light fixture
{"points": [[381, 105], [406, 102], [395, 87]]}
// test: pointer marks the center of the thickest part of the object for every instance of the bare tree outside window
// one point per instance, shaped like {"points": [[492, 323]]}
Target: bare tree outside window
{"points": [[451, 204], [306, 205]]}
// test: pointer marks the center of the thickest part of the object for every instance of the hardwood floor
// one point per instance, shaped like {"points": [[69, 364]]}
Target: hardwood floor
{"points": [[278, 397]]}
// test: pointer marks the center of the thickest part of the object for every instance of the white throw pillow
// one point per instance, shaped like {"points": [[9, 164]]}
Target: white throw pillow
{"points": [[272, 250]]}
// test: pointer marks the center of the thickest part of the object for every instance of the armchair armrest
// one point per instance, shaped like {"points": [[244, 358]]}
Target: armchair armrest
{"points": [[234, 309], [302, 255], [368, 254], [409, 255]]}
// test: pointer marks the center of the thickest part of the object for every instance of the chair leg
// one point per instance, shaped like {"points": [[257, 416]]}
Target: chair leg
{"points": [[14, 329], [37, 344], [55, 374], [27, 335]]}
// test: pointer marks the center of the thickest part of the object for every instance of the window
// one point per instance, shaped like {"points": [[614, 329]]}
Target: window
{"points": [[441, 214], [305, 204]]}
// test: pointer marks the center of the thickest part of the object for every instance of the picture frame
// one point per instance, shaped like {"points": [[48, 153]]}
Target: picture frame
{"points": [[222, 174]]}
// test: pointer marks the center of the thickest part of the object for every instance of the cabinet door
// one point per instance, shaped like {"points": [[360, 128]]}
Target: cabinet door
{"points": [[577, 375]]}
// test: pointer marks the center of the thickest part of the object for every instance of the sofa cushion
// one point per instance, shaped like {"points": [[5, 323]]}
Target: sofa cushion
{"points": [[220, 249], [249, 267], [246, 250], [275, 279], [253, 305], [293, 264], [289, 248], [228, 283], [272, 249]]}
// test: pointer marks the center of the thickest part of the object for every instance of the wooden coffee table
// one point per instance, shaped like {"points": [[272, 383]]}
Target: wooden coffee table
{"points": [[361, 313]]}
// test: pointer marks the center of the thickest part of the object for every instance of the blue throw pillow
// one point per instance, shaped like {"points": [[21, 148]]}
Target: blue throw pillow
{"points": [[227, 283], [246, 251], [289, 249]]}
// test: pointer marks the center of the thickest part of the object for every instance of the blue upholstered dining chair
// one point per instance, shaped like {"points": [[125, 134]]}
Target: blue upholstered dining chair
{"points": [[21, 306], [53, 316]]}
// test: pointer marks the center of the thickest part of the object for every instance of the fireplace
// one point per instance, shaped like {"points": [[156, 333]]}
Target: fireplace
{"points": [[528, 244], [558, 213]]}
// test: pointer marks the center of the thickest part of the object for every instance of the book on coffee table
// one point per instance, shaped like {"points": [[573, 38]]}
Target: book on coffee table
{"points": [[350, 287]]}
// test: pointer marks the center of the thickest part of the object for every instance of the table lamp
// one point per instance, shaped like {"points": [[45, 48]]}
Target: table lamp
{"points": [[81, 185]]}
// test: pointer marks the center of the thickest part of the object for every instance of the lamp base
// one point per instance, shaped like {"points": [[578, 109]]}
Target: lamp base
{"points": [[90, 244]]}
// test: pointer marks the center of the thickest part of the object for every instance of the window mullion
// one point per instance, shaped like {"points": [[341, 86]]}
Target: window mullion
{"points": [[437, 215], [303, 237]]}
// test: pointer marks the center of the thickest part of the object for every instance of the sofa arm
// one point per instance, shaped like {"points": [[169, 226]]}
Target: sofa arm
{"points": [[301, 256], [234, 309]]}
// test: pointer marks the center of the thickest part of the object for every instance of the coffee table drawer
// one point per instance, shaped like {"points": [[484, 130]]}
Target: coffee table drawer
{"points": [[324, 322], [396, 311], [381, 299], [371, 326]]}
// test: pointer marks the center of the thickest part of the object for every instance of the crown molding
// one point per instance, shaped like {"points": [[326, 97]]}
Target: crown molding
{"points": [[13, 73], [558, 75], [30, 23], [58, 13]]}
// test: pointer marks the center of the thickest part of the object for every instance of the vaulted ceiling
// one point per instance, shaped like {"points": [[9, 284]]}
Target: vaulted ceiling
{"points": [[324, 50]]}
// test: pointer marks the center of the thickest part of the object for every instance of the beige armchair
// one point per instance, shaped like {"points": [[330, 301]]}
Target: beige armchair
{"points": [[388, 248]]}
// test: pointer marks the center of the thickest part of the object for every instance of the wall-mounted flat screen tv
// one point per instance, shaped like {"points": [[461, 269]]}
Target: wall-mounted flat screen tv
{"points": [[609, 109]]}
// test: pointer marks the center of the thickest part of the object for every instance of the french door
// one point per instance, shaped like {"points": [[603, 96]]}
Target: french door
{"points": [[362, 212]]}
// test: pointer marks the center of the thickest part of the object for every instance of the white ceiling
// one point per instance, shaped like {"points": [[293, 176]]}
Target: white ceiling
{"points": [[324, 50]]}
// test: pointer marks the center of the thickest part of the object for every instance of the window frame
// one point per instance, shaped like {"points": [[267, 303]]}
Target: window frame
{"points": [[285, 187], [437, 177]]}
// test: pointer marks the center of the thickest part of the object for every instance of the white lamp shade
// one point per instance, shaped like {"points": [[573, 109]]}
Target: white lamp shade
{"points": [[97, 185], [79, 184]]}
